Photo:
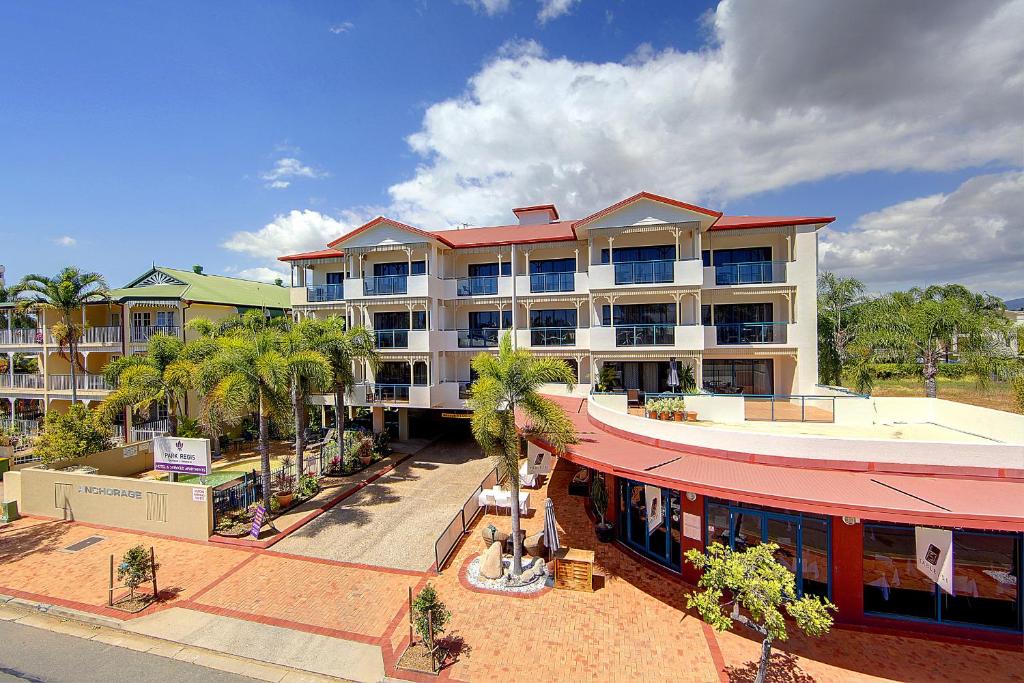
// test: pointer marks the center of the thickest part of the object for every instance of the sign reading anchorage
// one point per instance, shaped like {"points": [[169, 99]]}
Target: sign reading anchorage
{"points": [[183, 456]]}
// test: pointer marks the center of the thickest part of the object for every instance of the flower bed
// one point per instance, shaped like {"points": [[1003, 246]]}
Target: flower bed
{"points": [[502, 585]]}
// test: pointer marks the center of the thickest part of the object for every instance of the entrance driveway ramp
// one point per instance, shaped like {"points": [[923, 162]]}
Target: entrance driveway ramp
{"points": [[395, 521], [345, 659]]}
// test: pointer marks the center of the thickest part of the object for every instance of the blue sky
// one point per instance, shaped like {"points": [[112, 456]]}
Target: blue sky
{"points": [[142, 132]]}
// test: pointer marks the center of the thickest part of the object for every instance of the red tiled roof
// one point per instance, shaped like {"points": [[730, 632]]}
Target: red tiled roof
{"points": [[311, 255], [653, 197], [740, 222], [987, 503], [508, 234], [377, 221]]}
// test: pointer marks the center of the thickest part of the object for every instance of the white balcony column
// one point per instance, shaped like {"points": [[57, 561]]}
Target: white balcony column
{"points": [[526, 252], [408, 259], [675, 232], [500, 258], [576, 257], [611, 251], [696, 242], [10, 367]]}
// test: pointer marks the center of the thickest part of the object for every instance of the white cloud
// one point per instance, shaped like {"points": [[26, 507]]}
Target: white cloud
{"points": [[261, 273], [294, 232], [973, 235], [489, 7], [65, 241], [552, 9], [343, 27], [286, 168], [783, 94]]}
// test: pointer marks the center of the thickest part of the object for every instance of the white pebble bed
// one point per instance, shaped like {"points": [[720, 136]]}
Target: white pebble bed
{"points": [[501, 585]]}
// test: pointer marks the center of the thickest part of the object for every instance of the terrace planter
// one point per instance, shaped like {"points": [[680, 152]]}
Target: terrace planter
{"points": [[284, 499], [605, 532], [366, 460], [691, 415], [679, 415], [665, 415], [7, 452]]}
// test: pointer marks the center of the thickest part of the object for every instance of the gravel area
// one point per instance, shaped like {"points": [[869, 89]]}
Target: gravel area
{"points": [[395, 521], [501, 585]]}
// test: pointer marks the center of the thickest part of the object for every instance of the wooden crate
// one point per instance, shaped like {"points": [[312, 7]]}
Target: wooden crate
{"points": [[574, 569]]}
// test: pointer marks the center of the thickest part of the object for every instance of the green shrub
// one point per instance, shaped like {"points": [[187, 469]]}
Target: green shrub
{"points": [[308, 486], [189, 428], [895, 370], [426, 603], [135, 568], [73, 434], [1017, 386], [953, 370]]}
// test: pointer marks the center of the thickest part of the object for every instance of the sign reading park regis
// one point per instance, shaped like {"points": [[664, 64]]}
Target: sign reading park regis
{"points": [[186, 456]]}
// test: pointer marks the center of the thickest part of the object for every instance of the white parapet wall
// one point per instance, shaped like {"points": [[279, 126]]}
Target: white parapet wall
{"points": [[610, 409]]}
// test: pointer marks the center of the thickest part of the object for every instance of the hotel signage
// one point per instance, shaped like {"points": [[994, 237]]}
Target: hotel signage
{"points": [[185, 456], [113, 492], [935, 555]]}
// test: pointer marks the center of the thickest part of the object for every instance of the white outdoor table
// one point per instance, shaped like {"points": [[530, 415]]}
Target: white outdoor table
{"points": [[503, 499]]}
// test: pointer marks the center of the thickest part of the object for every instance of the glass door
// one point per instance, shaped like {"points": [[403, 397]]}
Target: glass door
{"points": [[651, 527]]}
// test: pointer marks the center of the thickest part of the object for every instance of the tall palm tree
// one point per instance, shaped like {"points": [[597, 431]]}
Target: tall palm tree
{"points": [[65, 294], [300, 338], [922, 326], [252, 368], [162, 375], [343, 347], [506, 383], [838, 298]]}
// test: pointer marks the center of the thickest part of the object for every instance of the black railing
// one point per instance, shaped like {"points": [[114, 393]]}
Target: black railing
{"points": [[645, 335], [476, 286], [552, 282], [386, 284], [752, 273], [751, 333], [481, 337], [552, 336], [387, 393], [644, 272], [321, 293]]}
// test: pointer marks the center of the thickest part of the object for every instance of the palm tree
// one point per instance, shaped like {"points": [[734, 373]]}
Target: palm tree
{"points": [[838, 298], [252, 368], [162, 375], [506, 383], [299, 338], [923, 326], [65, 294], [343, 347]]}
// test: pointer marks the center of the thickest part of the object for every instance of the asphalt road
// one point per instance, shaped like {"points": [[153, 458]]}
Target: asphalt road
{"points": [[32, 654]]}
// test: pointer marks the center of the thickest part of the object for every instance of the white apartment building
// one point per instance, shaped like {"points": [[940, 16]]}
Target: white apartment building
{"points": [[639, 285]]}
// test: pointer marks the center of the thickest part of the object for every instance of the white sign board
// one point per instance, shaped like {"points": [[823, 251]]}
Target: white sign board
{"points": [[199, 495], [185, 456], [655, 511], [935, 555], [130, 451], [538, 460], [691, 526]]}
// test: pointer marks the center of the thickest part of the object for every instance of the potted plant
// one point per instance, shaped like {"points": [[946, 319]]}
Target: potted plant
{"points": [[691, 415], [678, 409], [599, 499], [365, 450], [284, 482], [6, 446]]}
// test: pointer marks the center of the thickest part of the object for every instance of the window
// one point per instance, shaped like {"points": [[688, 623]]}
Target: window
{"points": [[393, 373], [399, 268], [986, 578], [705, 314], [419, 320], [558, 265], [419, 373], [724, 257], [115, 320], [335, 278], [140, 319], [639, 314], [659, 537], [557, 317], [489, 269], [732, 314], [631, 254], [391, 321], [727, 376], [484, 319]]}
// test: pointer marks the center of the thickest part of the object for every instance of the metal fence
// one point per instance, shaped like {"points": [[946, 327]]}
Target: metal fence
{"points": [[789, 408], [464, 518]]}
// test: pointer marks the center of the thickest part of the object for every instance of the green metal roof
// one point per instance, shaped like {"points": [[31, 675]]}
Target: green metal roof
{"points": [[202, 288]]}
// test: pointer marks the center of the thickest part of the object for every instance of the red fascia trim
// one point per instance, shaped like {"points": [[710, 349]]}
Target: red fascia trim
{"points": [[653, 197], [501, 243], [381, 219], [552, 211], [312, 255], [772, 223]]}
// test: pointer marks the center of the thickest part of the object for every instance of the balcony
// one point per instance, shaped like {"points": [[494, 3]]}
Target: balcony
{"points": [[21, 336], [381, 285], [477, 286], [322, 293], [392, 339], [645, 335], [21, 380], [81, 383], [542, 283], [552, 336], [143, 333], [753, 273], [643, 272], [480, 338], [688, 272], [110, 334], [732, 334]]}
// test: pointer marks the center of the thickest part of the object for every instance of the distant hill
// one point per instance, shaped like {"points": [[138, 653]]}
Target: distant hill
{"points": [[1015, 304]]}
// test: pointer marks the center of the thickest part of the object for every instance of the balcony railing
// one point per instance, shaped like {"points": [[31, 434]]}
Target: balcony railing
{"points": [[110, 334], [752, 273], [644, 272], [483, 337], [552, 282], [392, 339], [464, 388], [81, 382], [476, 286], [19, 425], [386, 284], [552, 336], [645, 335], [387, 393], [320, 293], [751, 333], [21, 380], [21, 335], [144, 332]]}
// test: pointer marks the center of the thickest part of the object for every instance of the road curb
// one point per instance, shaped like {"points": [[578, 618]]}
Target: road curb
{"points": [[112, 631]]}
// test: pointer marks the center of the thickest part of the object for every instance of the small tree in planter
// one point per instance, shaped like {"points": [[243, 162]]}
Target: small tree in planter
{"points": [[428, 603], [599, 499], [755, 581], [136, 567]]}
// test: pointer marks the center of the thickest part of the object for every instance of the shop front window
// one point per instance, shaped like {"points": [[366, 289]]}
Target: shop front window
{"points": [[986, 578], [652, 519]]}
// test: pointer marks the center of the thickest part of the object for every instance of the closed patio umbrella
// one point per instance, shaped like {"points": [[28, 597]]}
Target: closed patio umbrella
{"points": [[550, 530], [673, 374]]}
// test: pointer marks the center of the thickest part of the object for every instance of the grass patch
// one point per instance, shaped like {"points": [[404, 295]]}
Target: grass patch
{"points": [[995, 395], [215, 478]]}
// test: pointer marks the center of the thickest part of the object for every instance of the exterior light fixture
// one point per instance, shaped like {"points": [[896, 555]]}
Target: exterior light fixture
{"points": [[691, 496]]}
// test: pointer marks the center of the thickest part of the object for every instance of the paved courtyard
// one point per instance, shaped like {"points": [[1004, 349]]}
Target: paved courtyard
{"points": [[395, 521]]}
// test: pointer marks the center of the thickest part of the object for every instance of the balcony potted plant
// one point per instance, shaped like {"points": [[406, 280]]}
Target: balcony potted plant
{"points": [[599, 499], [284, 483], [678, 409], [7, 442]]}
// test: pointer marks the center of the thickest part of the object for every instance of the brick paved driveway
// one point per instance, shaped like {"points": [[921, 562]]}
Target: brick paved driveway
{"points": [[395, 521]]}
